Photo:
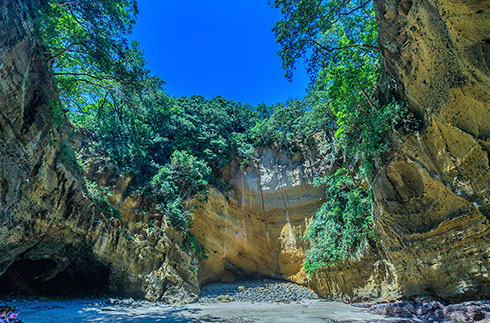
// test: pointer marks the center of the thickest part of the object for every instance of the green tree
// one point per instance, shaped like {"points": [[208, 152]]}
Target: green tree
{"points": [[322, 31], [337, 39], [95, 65], [285, 125]]}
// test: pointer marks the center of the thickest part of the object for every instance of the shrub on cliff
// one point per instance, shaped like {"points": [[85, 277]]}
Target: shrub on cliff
{"points": [[342, 224], [176, 183], [100, 196], [337, 39]]}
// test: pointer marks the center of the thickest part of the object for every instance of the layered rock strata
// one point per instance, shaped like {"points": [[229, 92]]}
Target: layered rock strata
{"points": [[52, 237], [256, 227], [431, 196]]}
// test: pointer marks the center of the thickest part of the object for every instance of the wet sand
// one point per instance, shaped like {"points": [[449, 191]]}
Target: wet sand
{"points": [[306, 311]]}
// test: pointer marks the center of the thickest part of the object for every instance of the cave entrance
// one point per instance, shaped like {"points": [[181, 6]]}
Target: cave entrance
{"points": [[42, 277]]}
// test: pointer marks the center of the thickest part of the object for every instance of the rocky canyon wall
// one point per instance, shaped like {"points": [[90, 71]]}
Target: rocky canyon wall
{"points": [[52, 237], [431, 196]]}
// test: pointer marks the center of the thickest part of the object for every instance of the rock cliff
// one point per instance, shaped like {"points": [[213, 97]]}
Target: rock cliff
{"points": [[431, 196], [52, 237], [255, 228]]}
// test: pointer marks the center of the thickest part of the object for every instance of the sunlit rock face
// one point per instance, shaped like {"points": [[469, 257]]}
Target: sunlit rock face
{"points": [[53, 239], [431, 197], [367, 276], [256, 227]]}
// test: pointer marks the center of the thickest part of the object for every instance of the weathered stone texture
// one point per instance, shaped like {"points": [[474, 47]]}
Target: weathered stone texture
{"points": [[255, 228], [49, 229], [432, 195]]}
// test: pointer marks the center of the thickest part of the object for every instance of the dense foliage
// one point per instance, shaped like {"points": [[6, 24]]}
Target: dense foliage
{"points": [[173, 147], [338, 41], [325, 33], [93, 59], [284, 124], [341, 224], [175, 184]]}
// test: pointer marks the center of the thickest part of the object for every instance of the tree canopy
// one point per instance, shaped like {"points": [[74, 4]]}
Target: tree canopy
{"points": [[94, 62], [322, 32]]}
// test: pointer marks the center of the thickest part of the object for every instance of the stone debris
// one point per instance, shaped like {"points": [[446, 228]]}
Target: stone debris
{"points": [[264, 290], [128, 301], [224, 298], [475, 311], [241, 288]]}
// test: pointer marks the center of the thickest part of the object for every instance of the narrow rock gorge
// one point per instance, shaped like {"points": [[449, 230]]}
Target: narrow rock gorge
{"points": [[431, 196], [430, 192]]}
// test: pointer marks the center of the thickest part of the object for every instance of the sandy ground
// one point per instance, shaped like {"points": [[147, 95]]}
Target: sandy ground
{"points": [[307, 311]]}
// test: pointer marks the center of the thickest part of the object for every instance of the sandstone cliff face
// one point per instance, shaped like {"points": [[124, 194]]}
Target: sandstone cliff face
{"points": [[432, 196], [256, 227], [52, 237]]}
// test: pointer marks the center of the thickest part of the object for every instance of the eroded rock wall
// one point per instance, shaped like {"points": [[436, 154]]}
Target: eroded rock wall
{"points": [[255, 227], [431, 196], [51, 235]]}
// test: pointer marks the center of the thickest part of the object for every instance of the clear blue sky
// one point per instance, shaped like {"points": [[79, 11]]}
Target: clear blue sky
{"points": [[216, 47]]}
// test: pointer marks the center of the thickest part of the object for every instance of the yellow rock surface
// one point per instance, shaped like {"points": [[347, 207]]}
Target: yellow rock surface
{"points": [[256, 227], [432, 194]]}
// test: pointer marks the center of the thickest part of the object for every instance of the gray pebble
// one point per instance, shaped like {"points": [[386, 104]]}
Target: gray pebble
{"points": [[266, 290]]}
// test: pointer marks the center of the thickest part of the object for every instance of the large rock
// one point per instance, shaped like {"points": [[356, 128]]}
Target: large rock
{"points": [[432, 197], [365, 276], [52, 237]]}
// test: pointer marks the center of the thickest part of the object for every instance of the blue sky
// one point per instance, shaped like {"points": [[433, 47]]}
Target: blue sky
{"points": [[216, 47]]}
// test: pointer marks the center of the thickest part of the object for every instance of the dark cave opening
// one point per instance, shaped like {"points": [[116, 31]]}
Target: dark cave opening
{"points": [[27, 277]]}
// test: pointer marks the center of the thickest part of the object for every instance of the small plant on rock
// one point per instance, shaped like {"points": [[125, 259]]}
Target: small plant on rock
{"points": [[99, 195]]}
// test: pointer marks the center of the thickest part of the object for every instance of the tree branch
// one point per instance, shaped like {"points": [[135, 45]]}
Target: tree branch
{"points": [[350, 11], [367, 97], [64, 50], [80, 110], [95, 84], [331, 49], [64, 3], [75, 17], [82, 74]]}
